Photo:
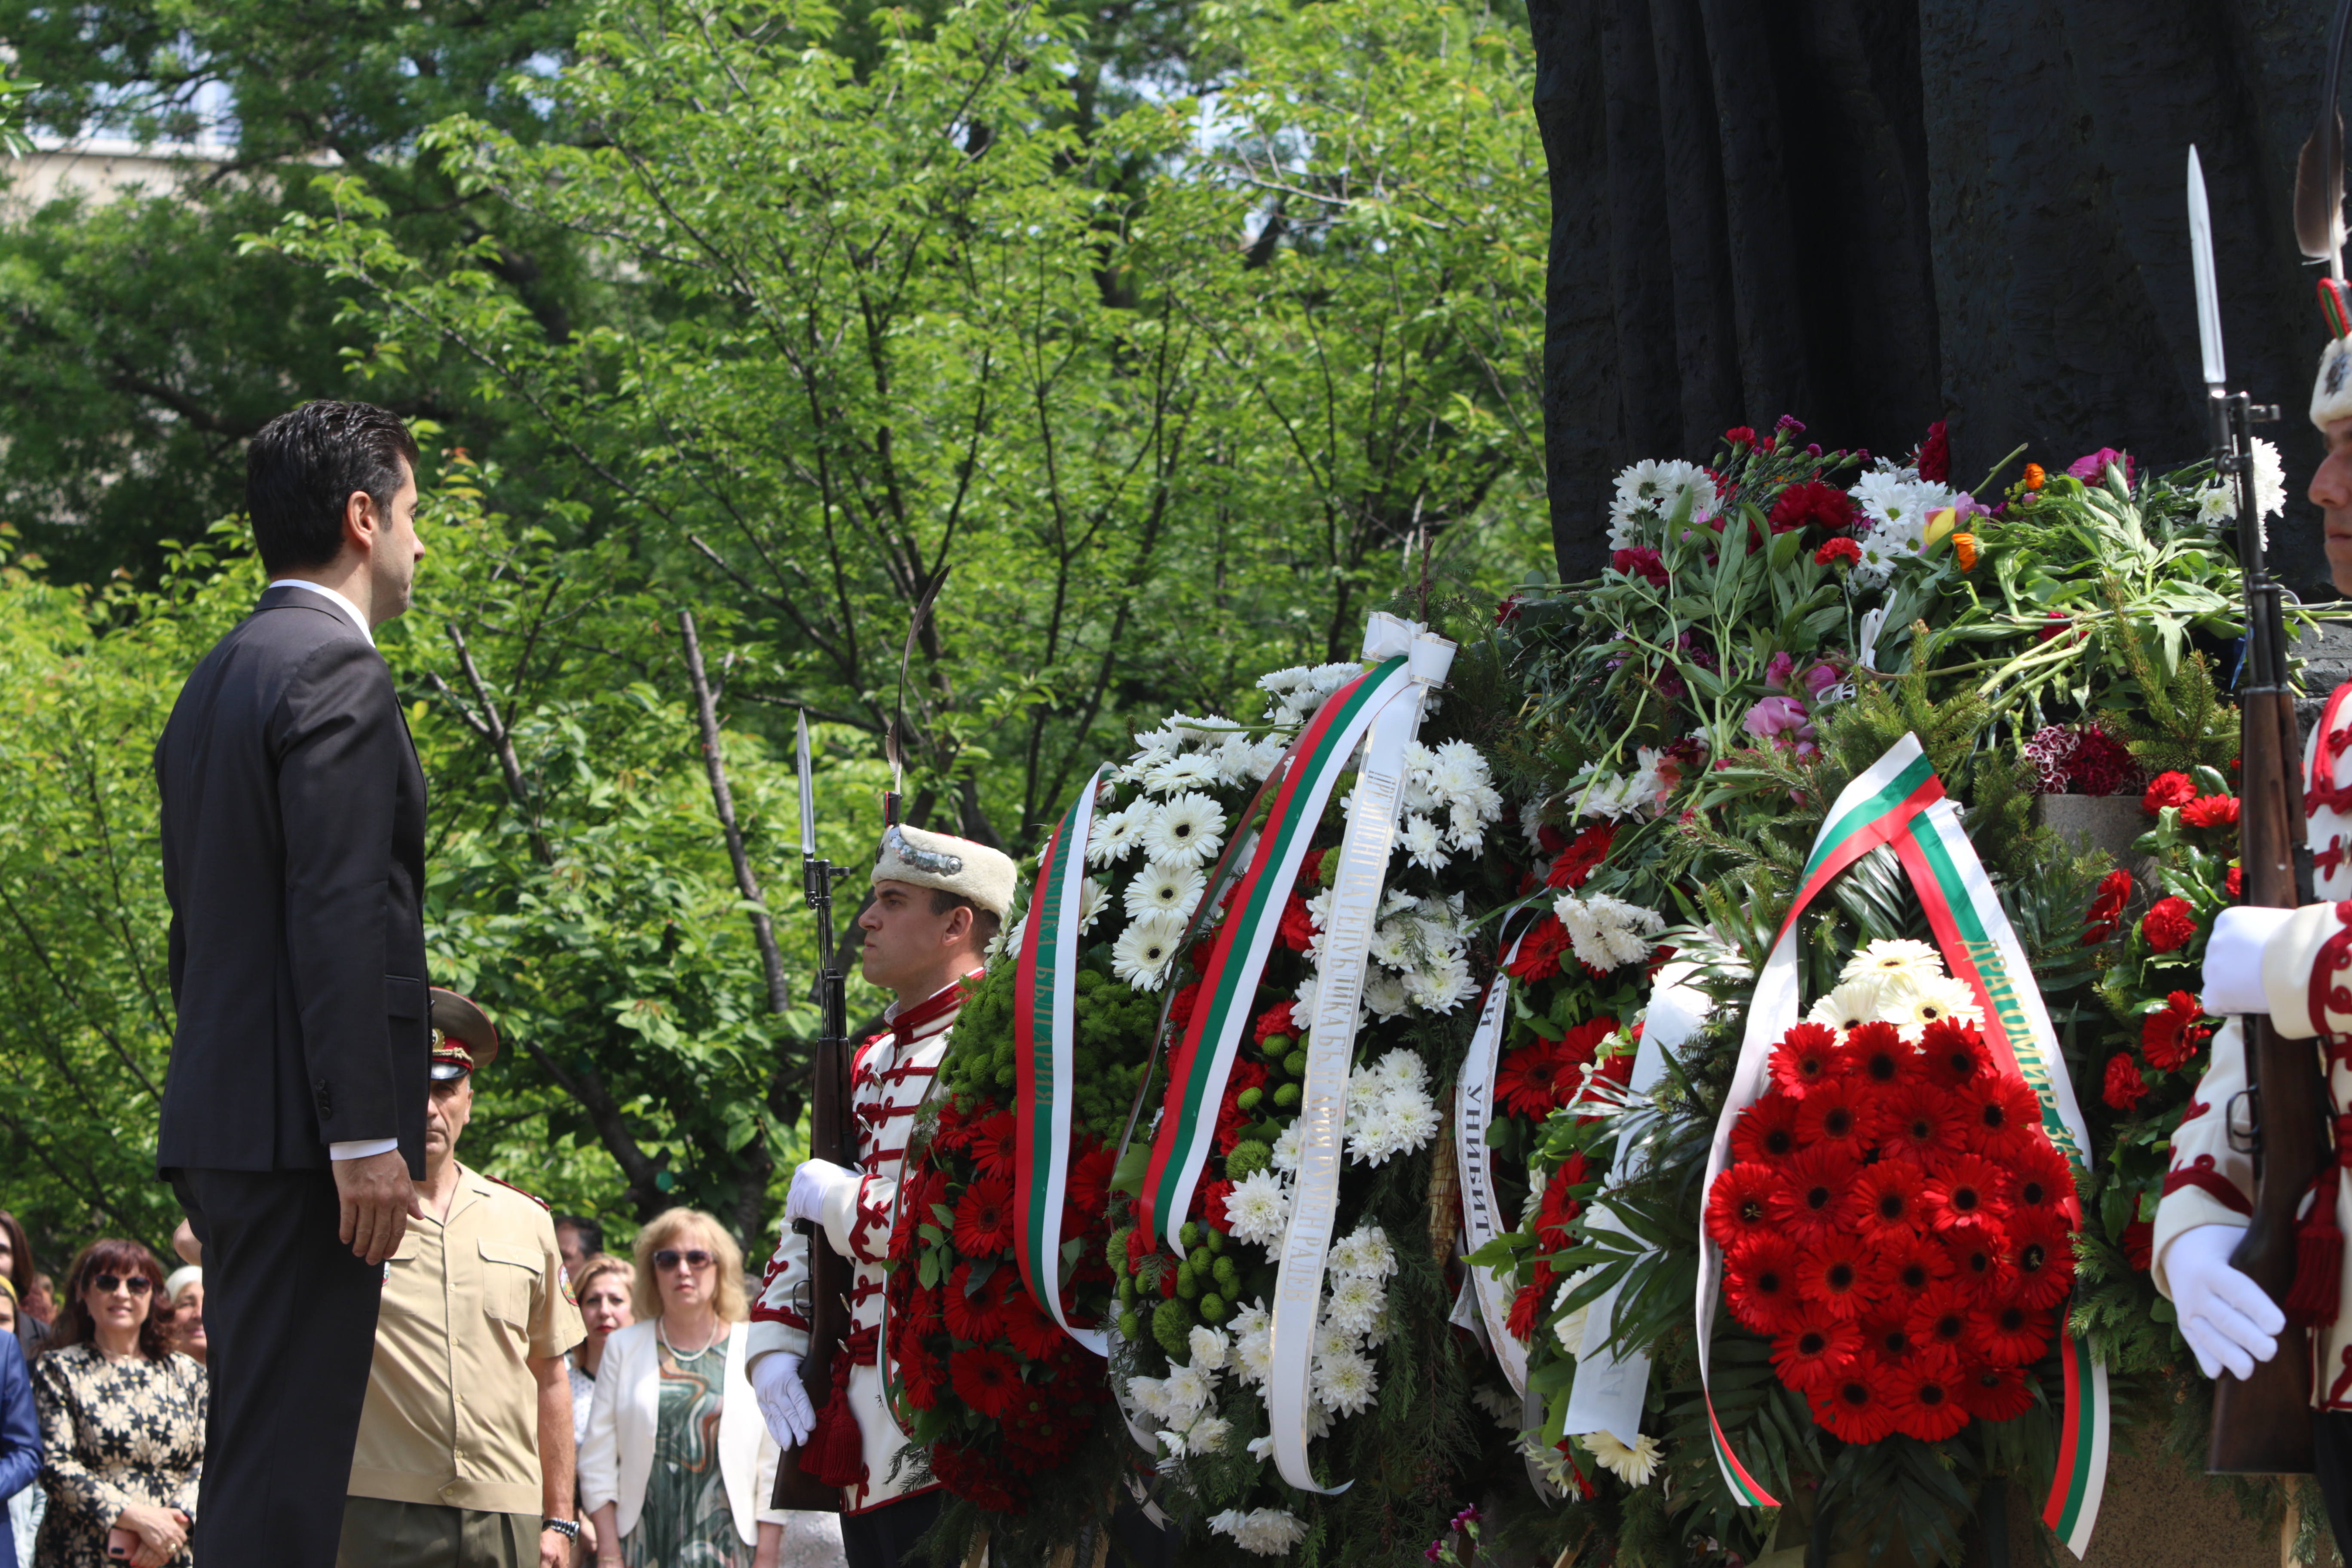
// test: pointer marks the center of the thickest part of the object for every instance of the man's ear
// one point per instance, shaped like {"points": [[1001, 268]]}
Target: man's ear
{"points": [[958, 930]]}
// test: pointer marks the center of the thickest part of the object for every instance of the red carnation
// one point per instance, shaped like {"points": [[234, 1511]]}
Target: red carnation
{"points": [[2107, 910], [1640, 562], [2171, 1035], [992, 1145], [2234, 884], [1812, 1191], [1921, 1123], [1296, 931], [1274, 1020], [1837, 552], [2212, 810], [1856, 1408], [1540, 951], [1964, 1187], [970, 1314], [1954, 1052], [1582, 856], [1210, 1202], [1935, 459], [1811, 1357], [1830, 1275], [2170, 789], [1530, 1080], [1760, 1285], [1526, 1307], [2124, 1088], [1739, 1205], [1032, 1333], [1812, 502], [2043, 1260], [2004, 1115], [1905, 1269], [1507, 610], [1739, 436], [1832, 1114], [2169, 924], [1877, 1056], [988, 1381], [1232, 1119], [1996, 1393], [1928, 1403], [1766, 1131], [1181, 1006], [983, 1226], [1885, 1202], [1090, 1173], [1805, 1055], [2012, 1334]]}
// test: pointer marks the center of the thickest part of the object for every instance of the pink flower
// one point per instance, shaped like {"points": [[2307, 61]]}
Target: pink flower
{"points": [[2092, 469], [1776, 672], [1780, 720], [1818, 679]]}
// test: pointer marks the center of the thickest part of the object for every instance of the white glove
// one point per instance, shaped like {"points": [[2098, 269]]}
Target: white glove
{"points": [[2233, 962], [784, 1402], [812, 1183], [2224, 1316]]}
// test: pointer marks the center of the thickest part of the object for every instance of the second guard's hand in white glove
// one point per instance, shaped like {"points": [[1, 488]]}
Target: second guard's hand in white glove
{"points": [[2224, 1316], [812, 1184], [2233, 962], [784, 1402]]}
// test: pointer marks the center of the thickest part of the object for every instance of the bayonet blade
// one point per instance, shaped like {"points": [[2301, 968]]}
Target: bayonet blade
{"points": [[2201, 257], [808, 788]]}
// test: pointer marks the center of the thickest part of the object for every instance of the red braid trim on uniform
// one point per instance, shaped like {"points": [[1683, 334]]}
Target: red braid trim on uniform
{"points": [[834, 1453], [2319, 1243], [2201, 1175], [871, 1218], [942, 1004], [2320, 789], [2326, 992], [2343, 1381]]}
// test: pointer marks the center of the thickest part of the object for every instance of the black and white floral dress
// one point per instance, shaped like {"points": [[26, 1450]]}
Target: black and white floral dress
{"points": [[114, 1433]]}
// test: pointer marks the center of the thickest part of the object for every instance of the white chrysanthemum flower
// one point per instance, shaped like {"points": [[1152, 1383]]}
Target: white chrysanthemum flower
{"points": [[1188, 1390], [1150, 1395], [1445, 983], [2270, 482], [1302, 1006], [1414, 1119], [1853, 1003], [1345, 1382], [1465, 829], [1286, 1151], [1384, 995], [1261, 1448], [1153, 746], [1253, 1356], [1356, 1303], [1189, 770], [1374, 1130], [1093, 898], [1608, 932], [1174, 889], [1424, 845], [1258, 1209], [1633, 1465], [1364, 1251], [1261, 1531], [1248, 1319], [1142, 955], [1319, 909], [1189, 828], [1234, 757], [1207, 1433], [1459, 772], [2217, 505], [1891, 956], [1912, 1001], [1111, 838], [1391, 944], [1500, 1403], [1404, 1068], [1208, 1347]]}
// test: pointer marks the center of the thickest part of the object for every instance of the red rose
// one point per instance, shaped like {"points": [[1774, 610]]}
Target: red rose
{"points": [[2124, 1088], [2168, 925], [2171, 1035], [2170, 789], [1812, 502], [1581, 859], [1642, 561], [1838, 552], [2212, 810], [1540, 951], [1934, 464]]}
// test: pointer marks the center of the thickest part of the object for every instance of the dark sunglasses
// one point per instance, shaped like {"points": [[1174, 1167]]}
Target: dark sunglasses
{"points": [[108, 1283], [670, 1257]]}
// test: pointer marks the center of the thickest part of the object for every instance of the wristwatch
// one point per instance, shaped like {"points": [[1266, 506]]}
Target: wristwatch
{"points": [[567, 1528]]}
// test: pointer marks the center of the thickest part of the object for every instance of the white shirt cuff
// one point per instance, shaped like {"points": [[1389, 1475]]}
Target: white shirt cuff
{"points": [[2234, 960], [361, 1148]]}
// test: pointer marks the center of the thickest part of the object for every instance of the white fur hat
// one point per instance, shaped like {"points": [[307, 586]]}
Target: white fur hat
{"points": [[2331, 394], [954, 865]]}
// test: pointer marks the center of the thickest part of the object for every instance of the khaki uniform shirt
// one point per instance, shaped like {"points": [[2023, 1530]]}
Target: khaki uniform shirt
{"points": [[452, 1412]]}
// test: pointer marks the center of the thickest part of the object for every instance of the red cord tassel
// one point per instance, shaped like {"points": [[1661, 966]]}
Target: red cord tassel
{"points": [[835, 1452], [2319, 1244]]}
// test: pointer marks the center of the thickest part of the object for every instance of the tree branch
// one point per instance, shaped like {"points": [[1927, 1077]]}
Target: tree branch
{"points": [[763, 929], [493, 729]]}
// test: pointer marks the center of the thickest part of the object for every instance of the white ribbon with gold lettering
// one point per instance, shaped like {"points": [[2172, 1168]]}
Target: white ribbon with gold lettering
{"points": [[1482, 1212], [1364, 852]]}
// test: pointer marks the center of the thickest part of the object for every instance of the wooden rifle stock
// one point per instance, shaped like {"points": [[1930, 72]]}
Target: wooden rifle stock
{"points": [[2261, 1424]]}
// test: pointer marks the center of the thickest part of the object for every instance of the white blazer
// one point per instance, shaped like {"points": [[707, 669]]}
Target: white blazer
{"points": [[618, 1455]]}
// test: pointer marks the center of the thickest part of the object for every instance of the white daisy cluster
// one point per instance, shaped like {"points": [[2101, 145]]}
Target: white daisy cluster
{"points": [[1899, 983], [1389, 1111], [1177, 838], [1449, 801], [1263, 1532], [1182, 1401], [1200, 754], [1294, 694], [1419, 956], [1594, 794], [1648, 494], [1605, 931], [1898, 503]]}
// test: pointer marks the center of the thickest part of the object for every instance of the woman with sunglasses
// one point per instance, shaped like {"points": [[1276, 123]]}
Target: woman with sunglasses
{"points": [[122, 1421], [677, 1467]]}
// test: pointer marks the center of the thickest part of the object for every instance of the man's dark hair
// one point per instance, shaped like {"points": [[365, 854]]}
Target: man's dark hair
{"points": [[983, 921], [303, 465], [591, 1235]]}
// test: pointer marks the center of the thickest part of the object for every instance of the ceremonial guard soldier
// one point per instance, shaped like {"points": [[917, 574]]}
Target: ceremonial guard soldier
{"points": [[938, 902], [464, 1448]]}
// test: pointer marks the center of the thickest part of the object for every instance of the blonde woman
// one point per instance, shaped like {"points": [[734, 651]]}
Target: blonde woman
{"points": [[677, 1467]]}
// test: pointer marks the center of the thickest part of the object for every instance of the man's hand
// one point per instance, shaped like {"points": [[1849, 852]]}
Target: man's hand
{"points": [[776, 1379], [554, 1549], [812, 1183], [2224, 1316], [378, 1201]]}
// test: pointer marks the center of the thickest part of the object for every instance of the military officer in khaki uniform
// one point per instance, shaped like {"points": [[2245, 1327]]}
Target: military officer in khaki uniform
{"points": [[464, 1448]]}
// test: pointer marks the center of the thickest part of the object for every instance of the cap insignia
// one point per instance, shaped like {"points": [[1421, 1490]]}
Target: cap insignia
{"points": [[929, 861]]}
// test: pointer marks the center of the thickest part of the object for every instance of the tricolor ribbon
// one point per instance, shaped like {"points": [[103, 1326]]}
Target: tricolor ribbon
{"points": [[1044, 1046], [1898, 802]]}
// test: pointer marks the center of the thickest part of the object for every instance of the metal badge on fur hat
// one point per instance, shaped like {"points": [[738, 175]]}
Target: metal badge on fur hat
{"points": [[927, 860], [2331, 394]]}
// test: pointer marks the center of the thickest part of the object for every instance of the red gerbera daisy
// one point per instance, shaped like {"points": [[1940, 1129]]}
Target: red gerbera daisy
{"points": [[1856, 1408], [1812, 1191], [1526, 1307], [983, 1226], [1766, 1131], [1928, 1403], [1905, 1269], [1805, 1055], [2173, 1034], [1940, 1319], [2040, 1181], [1582, 857], [1979, 1250], [1829, 1275], [1739, 1205], [1559, 1204], [1760, 1285], [919, 1371], [1961, 1188], [956, 1123], [2004, 1115], [970, 1312], [988, 1381], [918, 1315], [1884, 1205], [1540, 951], [1810, 1357], [1920, 1122], [2043, 1259], [1879, 1057], [2012, 1334], [1996, 1393], [992, 1146], [1830, 1115], [1032, 1333], [1089, 1184], [1582, 1041], [1528, 1082], [1954, 1052]]}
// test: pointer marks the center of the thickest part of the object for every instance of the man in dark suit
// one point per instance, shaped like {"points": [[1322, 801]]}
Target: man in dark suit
{"points": [[293, 839]]}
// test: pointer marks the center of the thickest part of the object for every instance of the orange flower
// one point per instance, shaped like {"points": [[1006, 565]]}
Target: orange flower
{"points": [[1964, 545], [2034, 476]]}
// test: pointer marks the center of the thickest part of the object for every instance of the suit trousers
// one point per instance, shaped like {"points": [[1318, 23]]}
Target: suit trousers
{"points": [[290, 1314], [379, 1533]]}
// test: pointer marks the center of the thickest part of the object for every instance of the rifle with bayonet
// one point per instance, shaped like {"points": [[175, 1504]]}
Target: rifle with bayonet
{"points": [[2261, 1424]]}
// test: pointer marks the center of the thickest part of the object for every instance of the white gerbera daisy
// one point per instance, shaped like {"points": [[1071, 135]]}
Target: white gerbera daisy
{"points": [[1191, 770], [1092, 900], [1345, 1382], [1891, 956], [1144, 948], [1174, 889], [1912, 1001], [1111, 838], [1424, 845], [1208, 1347], [1189, 828], [1853, 1003], [1633, 1465], [1258, 1209]]}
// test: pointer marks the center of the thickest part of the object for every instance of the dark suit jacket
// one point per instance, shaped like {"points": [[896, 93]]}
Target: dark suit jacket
{"points": [[294, 860]]}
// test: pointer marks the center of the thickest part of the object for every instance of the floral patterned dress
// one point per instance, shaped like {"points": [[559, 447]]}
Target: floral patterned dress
{"points": [[114, 1433], [687, 1521]]}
